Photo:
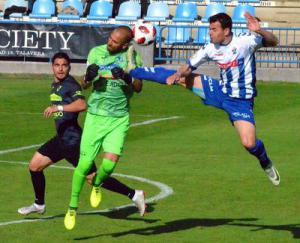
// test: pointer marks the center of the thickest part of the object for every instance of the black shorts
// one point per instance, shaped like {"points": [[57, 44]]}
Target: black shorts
{"points": [[56, 150]]}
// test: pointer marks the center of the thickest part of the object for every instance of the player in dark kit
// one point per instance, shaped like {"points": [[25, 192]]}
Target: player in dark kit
{"points": [[67, 101]]}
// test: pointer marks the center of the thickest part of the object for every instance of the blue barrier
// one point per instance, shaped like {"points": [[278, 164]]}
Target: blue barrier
{"points": [[285, 55], [174, 50]]}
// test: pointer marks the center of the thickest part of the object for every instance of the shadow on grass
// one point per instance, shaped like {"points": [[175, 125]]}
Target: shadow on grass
{"points": [[172, 226], [124, 213], [294, 229]]}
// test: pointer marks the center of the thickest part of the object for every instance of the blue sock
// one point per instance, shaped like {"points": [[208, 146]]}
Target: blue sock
{"points": [[154, 74], [260, 153]]}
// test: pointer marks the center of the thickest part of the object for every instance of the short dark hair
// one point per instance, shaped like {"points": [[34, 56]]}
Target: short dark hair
{"points": [[61, 55], [224, 19]]}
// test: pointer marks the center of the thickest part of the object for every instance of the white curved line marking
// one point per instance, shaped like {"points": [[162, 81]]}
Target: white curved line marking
{"points": [[165, 191], [7, 151]]}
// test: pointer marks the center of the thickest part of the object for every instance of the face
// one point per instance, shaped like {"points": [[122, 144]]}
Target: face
{"points": [[61, 69], [116, 42], [217, 34]]}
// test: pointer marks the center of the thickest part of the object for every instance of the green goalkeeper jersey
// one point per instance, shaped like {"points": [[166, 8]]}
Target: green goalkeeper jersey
{"points": [[110, 97]]}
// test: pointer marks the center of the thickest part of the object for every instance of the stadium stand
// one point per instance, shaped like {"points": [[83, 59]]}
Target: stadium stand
{"points": [[129, 11], [186, 12], [202, 36], [239, 11], [11, 5], [248, 1], [71, 10], [197, 1], [178, 35], [100, 10], [220, 1], [158, 34], [213, 9], [239, 30], [157, 11], [43, 9]]}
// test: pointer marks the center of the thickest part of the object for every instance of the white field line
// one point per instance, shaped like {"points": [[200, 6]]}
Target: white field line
{"points": [[165, 191], [154, 121], [148, 122], [8, 151]]}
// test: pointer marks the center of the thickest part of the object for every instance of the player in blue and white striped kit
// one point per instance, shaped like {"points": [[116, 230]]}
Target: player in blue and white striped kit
{"points": [[235, 91]]}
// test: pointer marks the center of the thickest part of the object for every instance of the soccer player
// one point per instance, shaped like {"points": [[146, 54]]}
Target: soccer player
{"points": [[107, 119], [235, 91], [67, 102]]}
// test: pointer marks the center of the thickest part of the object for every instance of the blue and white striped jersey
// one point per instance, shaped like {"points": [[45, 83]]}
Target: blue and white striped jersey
{"points": [[236, 61]]}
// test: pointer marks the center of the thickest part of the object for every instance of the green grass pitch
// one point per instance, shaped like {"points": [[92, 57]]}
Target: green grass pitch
{"points": [[220, 192]]}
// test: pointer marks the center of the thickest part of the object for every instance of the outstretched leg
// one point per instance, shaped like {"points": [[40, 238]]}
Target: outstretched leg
{"points": [[160, 75]]}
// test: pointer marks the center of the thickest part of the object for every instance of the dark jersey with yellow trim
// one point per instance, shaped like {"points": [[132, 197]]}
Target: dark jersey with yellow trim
{"points": [[63, 93]]}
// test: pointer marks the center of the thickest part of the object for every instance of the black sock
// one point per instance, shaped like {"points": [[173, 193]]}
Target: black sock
{"points": [[39, 184], [114, 185]]}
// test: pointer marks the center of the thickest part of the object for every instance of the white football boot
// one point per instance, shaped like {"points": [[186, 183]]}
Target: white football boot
{"points": [[34, 208], [139, 201], [273, 175]]}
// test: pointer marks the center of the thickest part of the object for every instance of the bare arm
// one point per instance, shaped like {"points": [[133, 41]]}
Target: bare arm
{"points": [[269, 39], [76, 106]]}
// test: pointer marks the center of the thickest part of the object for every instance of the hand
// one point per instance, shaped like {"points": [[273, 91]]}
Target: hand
{"points": [[173, 79], [252, 23], [91, 72], [118, 73], [50, 110]]}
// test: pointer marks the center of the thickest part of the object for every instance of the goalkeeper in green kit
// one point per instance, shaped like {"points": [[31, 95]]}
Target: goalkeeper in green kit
{"points": [[107, 119]]}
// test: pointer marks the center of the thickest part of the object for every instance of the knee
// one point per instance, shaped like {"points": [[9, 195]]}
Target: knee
{"points": [[112, 157], [34, 167], [247, 142]]}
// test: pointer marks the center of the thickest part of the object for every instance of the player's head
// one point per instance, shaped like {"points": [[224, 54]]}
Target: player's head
{"points": [[119, 39], [220, 26], [61, 66]]}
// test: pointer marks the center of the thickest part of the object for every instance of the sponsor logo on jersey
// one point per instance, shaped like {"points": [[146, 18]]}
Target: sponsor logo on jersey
{"points": [[232, 64], [78, 93], [58, 114], [113, 83], [210, 83], [55, 97]]}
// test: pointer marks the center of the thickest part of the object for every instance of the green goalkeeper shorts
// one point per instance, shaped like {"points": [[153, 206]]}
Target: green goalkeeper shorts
{"points": [[103, 131]]}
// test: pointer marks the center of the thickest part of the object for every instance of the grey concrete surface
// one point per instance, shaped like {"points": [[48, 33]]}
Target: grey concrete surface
{"points": [[265, 74]]}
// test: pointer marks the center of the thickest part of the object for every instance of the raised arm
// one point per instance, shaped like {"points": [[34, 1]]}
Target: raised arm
{"points": [[269, 39]]}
